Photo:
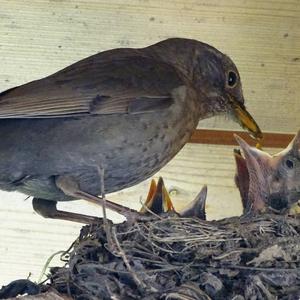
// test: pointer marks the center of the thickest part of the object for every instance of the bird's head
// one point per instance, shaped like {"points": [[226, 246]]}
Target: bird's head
{"points": [[269, 180], [213, 75], [217, 80]]}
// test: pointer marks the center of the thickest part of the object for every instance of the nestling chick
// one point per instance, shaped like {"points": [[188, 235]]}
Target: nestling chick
{"points": [[268, 181], [158, 202]]}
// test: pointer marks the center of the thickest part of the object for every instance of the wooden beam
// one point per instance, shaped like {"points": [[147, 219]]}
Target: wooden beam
{"points": [[223, 137]]}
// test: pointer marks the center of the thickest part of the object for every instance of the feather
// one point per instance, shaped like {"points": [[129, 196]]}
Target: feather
{"points": [[119, 81]]}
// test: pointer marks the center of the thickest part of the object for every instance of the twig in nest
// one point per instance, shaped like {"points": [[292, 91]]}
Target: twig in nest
{"points": [[159, 257], [139, 283], [48, 263]]}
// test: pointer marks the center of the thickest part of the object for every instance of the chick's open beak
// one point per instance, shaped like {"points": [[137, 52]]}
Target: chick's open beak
{"points": [[245, 119]]}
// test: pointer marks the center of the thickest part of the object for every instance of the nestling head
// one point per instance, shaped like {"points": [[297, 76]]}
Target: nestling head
{"points": [[269, 180]]}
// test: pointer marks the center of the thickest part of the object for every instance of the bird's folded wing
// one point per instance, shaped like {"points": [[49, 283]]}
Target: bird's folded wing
{"points": [[101, 84]]}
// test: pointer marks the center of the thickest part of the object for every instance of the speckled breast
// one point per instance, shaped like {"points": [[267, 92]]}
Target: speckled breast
{"points": [[129, 148]]}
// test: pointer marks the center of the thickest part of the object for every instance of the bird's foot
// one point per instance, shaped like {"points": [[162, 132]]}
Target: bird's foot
{"points": [[47, 209]]}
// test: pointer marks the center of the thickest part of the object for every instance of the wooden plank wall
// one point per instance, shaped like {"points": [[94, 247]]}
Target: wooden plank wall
{"points": [[39, 37]]}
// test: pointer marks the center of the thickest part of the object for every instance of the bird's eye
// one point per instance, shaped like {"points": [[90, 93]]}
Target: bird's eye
{"points": [[289, 163], [232, 79]]}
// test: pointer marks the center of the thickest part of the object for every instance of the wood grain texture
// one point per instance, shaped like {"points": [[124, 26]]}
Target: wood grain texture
{"points": [[39, 37], [222, 137], [263, 38]]}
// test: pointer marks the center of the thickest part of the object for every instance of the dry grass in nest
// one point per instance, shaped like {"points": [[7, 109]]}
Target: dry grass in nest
{"points": [[182, 258]]}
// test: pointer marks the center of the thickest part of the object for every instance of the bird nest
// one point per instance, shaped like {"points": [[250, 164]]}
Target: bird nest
{"points": [[169, 257]]}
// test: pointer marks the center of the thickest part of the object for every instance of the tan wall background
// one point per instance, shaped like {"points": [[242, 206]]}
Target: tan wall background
{"points": [[40, 37]]}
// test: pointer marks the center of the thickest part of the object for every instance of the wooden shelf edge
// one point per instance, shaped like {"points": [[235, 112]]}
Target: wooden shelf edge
{"points": [[224, 137]]}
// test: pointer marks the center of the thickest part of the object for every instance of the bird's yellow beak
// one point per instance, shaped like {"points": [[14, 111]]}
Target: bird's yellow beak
{"points": [[246, 120]]}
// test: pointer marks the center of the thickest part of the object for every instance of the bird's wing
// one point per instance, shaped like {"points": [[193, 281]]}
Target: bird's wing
{"points": [[118, 83]]}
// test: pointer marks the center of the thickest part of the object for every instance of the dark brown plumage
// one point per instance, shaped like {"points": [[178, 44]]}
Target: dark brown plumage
{"points": [[122, 112]]}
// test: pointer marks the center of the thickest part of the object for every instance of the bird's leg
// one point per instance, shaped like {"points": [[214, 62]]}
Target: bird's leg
{"points": [[47, 209], [70, 187]]}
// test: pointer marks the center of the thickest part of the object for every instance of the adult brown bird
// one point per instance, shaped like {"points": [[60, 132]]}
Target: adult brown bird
{"points": [[112, 120]]}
